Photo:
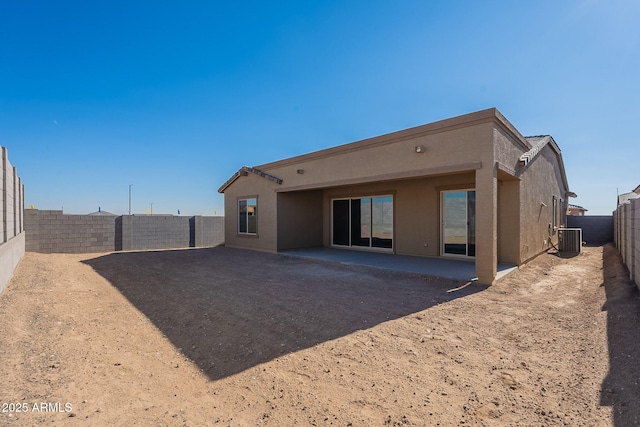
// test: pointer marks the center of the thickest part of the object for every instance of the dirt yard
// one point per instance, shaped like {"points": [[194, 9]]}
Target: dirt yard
{"points": [[228, 337]]}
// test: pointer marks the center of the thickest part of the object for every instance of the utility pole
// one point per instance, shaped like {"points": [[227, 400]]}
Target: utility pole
{"points": [[151, 209]]}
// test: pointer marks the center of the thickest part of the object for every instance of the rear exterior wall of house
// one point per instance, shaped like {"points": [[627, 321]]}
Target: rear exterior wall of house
{"points": [[517, 206], [387, 166]]}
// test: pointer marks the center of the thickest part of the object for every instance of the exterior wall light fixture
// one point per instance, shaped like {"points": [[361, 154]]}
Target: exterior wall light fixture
{"points": [[419, 149], [300, 171]]}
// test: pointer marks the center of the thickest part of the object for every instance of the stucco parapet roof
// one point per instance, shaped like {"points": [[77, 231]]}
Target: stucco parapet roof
{"points": [[470, 119], [531, 145], [244, 171]]}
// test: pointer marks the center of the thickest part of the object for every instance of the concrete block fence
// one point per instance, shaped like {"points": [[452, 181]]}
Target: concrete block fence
{"points": [[153, 232], [51, 231], [12, 242], [627, 236], [595, 228]]}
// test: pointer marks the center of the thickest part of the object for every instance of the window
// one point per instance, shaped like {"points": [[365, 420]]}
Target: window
{"points": [[248, 216]]}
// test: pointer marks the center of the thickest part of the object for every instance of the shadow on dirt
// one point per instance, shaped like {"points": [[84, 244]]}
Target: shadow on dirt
{"points": [[621, 389], [562, 254], [229, 309]]}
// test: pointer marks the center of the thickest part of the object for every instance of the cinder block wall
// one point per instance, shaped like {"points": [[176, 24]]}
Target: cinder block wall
{"points": [[212, 231], [627, 237], [635, 237], [55, 232], [154, 232], [11, 199], [595, 228], [12, 244]]}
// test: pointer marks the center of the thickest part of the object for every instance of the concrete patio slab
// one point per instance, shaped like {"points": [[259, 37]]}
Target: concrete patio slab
{"points": [[442, 267]]}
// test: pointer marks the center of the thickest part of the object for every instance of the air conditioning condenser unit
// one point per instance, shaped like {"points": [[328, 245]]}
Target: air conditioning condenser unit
{"points": [[570, 240]]}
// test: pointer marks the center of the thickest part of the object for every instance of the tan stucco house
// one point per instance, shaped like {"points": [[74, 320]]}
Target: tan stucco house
{"points": [[575, 210], [624, 198], [469, 187]]}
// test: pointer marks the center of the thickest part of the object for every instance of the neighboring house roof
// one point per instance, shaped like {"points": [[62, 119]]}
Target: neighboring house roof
{"points": [[244, 171], [101, 212], [577, 207], [622, 198], [634, 194]]}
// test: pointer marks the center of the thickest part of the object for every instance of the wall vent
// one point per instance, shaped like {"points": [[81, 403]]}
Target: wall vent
{"points": [[570, 240]]}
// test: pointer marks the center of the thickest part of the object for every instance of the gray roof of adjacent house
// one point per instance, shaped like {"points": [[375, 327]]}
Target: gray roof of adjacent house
{"points": [[101, 212]]}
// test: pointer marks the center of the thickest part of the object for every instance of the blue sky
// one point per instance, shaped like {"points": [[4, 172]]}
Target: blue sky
{"points": [[174, 97]]}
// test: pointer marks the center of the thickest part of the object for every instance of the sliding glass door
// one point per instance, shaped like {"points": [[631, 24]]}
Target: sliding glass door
{"points": [[340, 219], [382, 222], [365, 222], [459, 223], [361, 222]]}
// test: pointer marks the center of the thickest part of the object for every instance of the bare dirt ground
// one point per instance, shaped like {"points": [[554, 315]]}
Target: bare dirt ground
{"points": [[228, 337]]}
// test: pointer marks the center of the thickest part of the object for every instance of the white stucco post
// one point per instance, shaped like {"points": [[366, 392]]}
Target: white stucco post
{"points": [[486, 223]]}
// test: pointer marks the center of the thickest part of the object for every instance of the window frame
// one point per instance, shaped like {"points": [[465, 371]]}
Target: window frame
{"points": [[471, 241], [247, 225]]}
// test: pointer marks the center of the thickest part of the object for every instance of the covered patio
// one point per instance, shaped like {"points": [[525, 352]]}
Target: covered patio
{"points": [[442, 267]]}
